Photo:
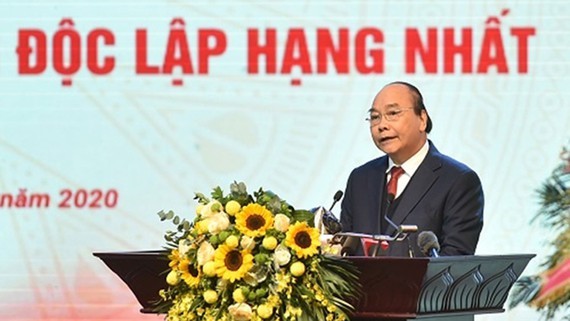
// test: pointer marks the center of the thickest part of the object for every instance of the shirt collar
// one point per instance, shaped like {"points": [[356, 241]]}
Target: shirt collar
{"points": [[411, 165]]}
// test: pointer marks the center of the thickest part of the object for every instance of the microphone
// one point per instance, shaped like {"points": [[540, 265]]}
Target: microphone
{"points": [[389, 199], [428, 243], [331, 223], [403, 228], [337, 196], [326, 219], [384, 244]]}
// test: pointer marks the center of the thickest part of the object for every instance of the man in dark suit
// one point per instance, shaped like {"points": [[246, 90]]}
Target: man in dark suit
{"points": [[430, 190]]}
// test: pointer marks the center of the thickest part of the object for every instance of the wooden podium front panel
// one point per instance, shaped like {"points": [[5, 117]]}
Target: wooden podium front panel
{"points": [[390, 286], [480, 284], [142, 271]]}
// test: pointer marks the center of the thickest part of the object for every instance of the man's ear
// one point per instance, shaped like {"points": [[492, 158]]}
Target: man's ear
{"points": [[424, 118]]}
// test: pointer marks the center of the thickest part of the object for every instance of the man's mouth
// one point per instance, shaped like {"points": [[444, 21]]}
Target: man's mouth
{"points": [[385, 139]]}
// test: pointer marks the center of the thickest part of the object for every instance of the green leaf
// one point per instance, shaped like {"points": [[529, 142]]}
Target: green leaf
{"points": [[304, 216], [524, 290], [274, 204], [238, 188], [218, 193], [201, 198]]}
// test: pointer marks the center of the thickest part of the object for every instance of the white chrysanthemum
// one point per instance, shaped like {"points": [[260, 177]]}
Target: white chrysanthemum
{"points": [[205, 253], [247, 243], [240, 311], [183, 247], [210, 209], [218, 222], [282, 255], [281, 222]]}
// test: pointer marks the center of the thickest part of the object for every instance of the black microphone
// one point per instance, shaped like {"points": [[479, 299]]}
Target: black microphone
{"points": [[331, 223], [389, 199], [337, 196], [428, 243]]}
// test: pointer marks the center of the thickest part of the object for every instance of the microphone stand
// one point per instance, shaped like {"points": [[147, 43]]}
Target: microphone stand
{"points": [[400, 234], [389, 199]]}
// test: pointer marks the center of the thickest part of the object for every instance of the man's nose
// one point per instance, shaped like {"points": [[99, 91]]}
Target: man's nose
{"points": [[382, 124]]}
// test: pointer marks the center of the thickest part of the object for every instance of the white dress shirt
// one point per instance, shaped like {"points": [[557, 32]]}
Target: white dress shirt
{"points": [[410, 166]]}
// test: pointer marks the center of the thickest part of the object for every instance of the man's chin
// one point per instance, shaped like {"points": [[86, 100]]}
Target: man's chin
{"points": [[387, 146]]}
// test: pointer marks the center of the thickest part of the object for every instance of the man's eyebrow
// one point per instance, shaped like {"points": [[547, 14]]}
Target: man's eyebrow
{"points": [[387, 106]]}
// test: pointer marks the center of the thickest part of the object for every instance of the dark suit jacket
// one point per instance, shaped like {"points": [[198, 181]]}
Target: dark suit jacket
{"points": [[443, 196]]}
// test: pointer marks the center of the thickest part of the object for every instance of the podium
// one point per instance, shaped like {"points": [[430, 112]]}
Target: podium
{"points": [[445, 288], [451, 288]]}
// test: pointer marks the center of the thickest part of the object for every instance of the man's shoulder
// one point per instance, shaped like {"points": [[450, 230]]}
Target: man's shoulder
{"points": [[372, 165], [449, 163]]}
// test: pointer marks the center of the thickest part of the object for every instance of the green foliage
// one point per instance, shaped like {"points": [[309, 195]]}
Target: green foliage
{"points": [[304, 216], [554, 213]]}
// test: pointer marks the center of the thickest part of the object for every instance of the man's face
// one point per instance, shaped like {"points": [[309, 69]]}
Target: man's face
{"points": [[403, 136]]}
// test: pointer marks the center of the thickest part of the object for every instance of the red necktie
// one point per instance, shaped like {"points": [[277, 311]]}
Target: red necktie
{"points": [[392, 186]]}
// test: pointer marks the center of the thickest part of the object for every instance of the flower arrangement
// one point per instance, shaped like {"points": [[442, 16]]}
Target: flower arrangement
{"points": [[252, 257]]}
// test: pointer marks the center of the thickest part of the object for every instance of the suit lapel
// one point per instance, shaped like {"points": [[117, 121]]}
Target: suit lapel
{"points": [[423, 179], [376, 190]]}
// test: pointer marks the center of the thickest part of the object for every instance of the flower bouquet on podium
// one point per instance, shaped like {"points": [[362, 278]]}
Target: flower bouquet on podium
{"points": [[252, 257]]}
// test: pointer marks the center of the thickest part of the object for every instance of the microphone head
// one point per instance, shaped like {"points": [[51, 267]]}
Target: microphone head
{"points": [[337, 196], [331, 223], [427, 240], [390, 197]]}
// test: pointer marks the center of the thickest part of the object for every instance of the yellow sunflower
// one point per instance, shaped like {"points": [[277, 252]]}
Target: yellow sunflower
{"points": [[190, 274], [232, 264], [254, 220], [303, 239], [174, 257]]}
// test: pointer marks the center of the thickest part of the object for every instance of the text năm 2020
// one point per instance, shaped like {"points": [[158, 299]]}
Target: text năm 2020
{"points": [[67, 199]]}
